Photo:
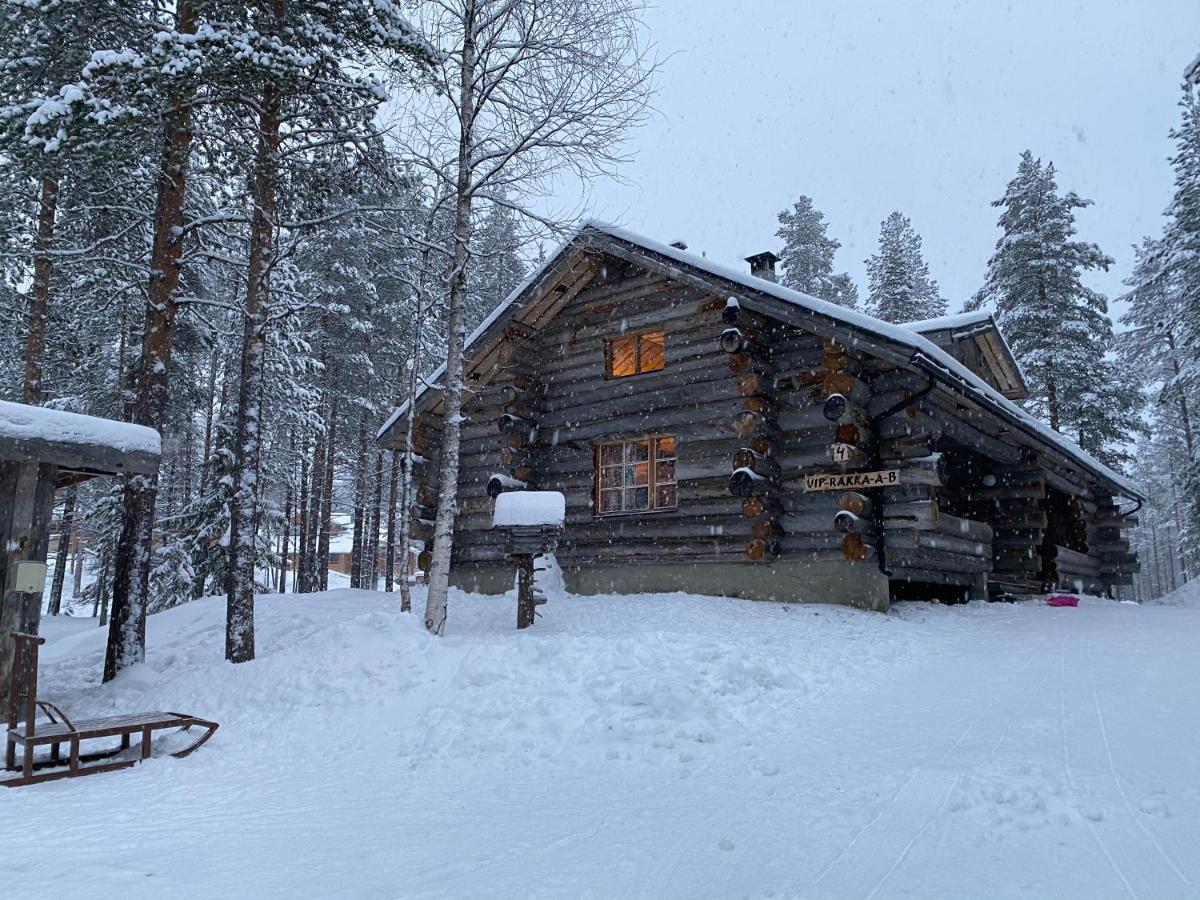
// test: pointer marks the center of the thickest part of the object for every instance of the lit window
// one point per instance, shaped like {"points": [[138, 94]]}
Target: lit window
{"points": [[633, 476], [633, 354]]}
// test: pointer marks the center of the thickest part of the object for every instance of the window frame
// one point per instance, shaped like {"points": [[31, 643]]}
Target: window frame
{"points": [[637, 336], [653, 484]]}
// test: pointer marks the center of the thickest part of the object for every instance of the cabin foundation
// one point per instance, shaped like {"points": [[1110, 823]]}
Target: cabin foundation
{"points": [[859, 585]]}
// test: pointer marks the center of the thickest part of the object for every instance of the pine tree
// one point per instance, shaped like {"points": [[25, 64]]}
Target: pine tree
{"points": [[901, 289], [807, 255], [1058, 328], [496, 266], [1168, 277]]}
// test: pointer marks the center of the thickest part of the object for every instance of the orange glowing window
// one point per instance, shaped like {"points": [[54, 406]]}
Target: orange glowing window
{"points": [[633, 354], [635, 476]]}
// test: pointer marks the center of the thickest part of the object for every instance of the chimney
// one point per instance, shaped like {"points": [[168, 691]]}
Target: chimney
{"points": [[762, 265]]}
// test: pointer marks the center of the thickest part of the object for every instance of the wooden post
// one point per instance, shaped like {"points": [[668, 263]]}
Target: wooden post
{"points": [[26, 505], [526, 609]]}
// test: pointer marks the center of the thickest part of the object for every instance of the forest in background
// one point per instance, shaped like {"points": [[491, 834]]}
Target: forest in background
{"points": [[254, 226]]}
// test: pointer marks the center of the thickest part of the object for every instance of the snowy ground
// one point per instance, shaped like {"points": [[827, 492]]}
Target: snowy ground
{"points": [[653, 746]]}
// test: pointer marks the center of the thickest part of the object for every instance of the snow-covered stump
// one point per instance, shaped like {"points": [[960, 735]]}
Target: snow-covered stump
{"points": [[533, 521]]}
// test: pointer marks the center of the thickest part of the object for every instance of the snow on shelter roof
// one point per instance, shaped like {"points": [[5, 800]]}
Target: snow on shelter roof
{"points": [[926, 355], [75, 441]]}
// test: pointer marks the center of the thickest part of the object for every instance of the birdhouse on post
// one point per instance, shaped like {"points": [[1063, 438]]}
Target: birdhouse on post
{"points": [[533, 521]]}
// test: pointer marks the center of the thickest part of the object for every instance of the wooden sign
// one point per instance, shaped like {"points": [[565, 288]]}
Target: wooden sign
{"points": [[849, 481]]}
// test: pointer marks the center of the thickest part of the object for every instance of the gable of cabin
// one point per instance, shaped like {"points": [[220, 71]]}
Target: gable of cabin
{"points": [[975, 340]]}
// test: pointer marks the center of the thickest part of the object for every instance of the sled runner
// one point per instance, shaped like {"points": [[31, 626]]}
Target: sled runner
{"points": [[61, 730]]}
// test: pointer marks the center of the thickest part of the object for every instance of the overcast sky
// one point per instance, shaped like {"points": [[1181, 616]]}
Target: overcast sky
{"points": [[921, 107]]}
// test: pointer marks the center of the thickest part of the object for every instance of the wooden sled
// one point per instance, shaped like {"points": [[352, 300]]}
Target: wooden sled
{"points": [[29, 735]]}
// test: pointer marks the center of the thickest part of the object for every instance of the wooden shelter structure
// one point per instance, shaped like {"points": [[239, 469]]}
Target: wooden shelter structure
{"points": [[715, 432], [41, 450]]}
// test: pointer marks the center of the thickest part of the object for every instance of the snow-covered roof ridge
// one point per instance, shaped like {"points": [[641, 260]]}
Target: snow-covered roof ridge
{"points": [[946, 323], [19, 421], [896, 334]]}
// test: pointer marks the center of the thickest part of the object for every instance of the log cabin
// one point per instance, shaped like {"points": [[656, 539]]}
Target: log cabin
{"points": [[718, 433]]}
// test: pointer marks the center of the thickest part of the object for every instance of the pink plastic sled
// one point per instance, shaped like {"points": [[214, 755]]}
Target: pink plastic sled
{"points": [[1062, 600]]}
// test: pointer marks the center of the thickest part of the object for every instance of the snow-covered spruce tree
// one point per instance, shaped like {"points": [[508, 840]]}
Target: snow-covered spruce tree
{"points": [[1059, 329], [496, 265], [50, 125], [163, 72], [529, 89], [807, 255], [1173, 276], [901, 289]]}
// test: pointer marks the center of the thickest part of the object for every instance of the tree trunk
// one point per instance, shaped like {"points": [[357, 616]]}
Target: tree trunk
{"points": [[131, 575], [299, 580], [239, 622], [443, 529], [209, 417], [104, 586], [411, 420], [286, 536], [77, 569], [39, 292], [376, 513], [60, 555], [1052, 399], [360, 505], [389, 564], [327, 504], [314, 516]]}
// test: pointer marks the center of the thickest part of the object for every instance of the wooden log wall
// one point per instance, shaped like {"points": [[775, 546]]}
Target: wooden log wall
{"points": [[1013, 499], [749, 342], [1108, 544], [927, 538], [575, 405]]}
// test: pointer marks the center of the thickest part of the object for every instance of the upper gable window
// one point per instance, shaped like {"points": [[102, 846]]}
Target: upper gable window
{"points": [[632, 354]]}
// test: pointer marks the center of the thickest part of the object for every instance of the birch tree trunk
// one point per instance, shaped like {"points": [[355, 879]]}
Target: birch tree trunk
{"points": [[443, 529], [239, 622], [406, 503], [131, 568]]}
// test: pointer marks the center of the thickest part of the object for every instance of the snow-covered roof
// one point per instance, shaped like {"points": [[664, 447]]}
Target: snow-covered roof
{"points": [[71, 439], [529, 508], [950, 369], [949, 323]]}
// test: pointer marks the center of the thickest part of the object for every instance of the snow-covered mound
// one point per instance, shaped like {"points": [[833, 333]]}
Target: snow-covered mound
{"points": [[1184, 595], [658, 745]]}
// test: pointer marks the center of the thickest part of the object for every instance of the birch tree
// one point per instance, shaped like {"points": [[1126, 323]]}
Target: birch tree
{"points": [[530, 90]]}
